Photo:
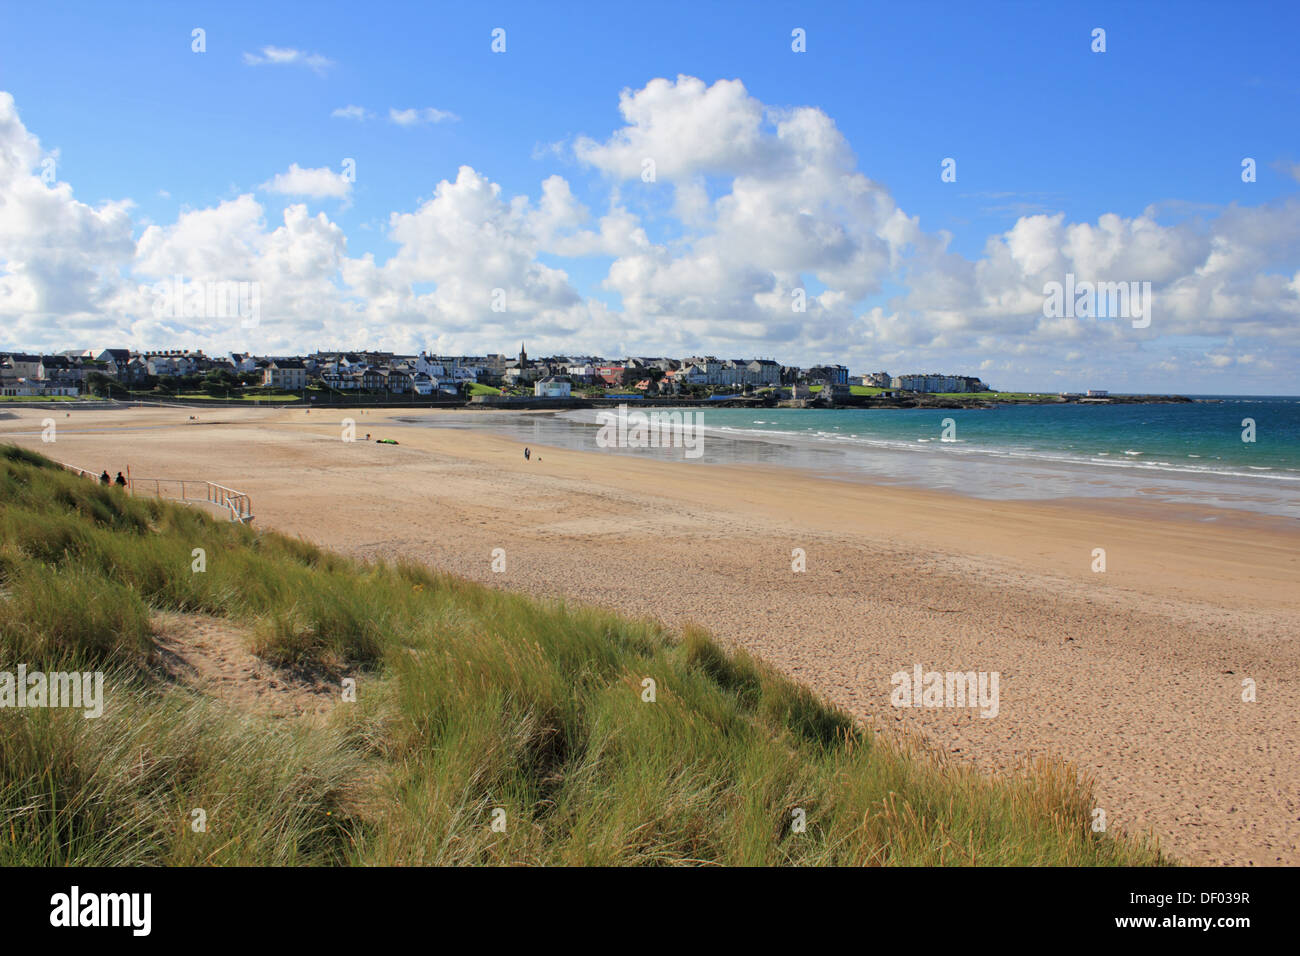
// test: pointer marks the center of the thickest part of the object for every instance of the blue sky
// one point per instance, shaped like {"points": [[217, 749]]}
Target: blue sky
{"points": [[1038, 123]]}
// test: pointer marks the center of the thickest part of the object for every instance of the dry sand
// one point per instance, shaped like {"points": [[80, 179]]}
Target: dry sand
{"points": [[1135, 675]]}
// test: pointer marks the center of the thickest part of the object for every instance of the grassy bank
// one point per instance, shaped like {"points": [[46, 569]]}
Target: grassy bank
{"points": [[277, 398], [1036, 397], [472, 704]]}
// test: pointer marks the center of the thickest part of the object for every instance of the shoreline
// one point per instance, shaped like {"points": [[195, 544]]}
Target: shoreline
{"points": [[982, 470], [1133, 674]]}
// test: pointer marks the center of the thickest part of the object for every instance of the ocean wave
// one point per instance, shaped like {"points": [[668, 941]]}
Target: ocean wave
{"points": [[1025, 453], [965, 448]]}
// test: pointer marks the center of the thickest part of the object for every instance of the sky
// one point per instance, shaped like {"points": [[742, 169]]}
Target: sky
{"points": [[886, 186]]}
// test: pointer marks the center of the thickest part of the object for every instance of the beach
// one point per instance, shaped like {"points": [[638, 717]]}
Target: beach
{"points": [[1134, 674]]}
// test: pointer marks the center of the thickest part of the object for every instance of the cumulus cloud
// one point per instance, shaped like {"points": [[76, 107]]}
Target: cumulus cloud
{"points": [[59, 257], [796, 210], [479, 250], [1208, 276], [321, 183], [295, 265], [684, 127]]}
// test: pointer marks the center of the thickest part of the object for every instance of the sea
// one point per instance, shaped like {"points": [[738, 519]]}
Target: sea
{"points": [[1218, 451]]}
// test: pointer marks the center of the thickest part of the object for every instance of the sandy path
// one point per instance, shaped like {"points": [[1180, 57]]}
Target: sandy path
{"points": [[1135, 675]]}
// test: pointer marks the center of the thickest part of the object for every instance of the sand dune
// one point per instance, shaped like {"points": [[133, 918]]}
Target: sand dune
{"points": [[1136, 674]]}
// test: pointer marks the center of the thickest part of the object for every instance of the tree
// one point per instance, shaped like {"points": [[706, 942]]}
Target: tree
{"points": [[219, 383], [97, 384]]}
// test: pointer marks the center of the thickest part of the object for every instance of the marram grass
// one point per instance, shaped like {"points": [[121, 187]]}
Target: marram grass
{"points": [[473, 706]]}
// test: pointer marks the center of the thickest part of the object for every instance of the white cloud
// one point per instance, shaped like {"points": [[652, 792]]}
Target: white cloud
{"points": [[357, 113], [59, 257], [684, 127], [796, 210], [295, 265], [319, 183], [414, 117], [286, 56], [469, 242]]}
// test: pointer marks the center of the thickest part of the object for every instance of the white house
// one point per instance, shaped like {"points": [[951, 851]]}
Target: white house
{"points": [[243, 362], [162, 366], [430, 366], [553, 386], [693, 375]]}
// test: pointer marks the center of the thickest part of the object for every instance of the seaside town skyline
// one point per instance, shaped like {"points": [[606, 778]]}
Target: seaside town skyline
{"points": [[77, 372]]}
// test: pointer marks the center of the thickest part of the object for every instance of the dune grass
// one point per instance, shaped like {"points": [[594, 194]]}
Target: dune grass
{"points": [[473, 706]]}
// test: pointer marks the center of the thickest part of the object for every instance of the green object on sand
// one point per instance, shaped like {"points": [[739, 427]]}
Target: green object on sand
{"points": [[385, 441]]}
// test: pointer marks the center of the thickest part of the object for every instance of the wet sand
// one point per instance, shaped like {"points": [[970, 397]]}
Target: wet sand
{"points": [[1135, 674]]}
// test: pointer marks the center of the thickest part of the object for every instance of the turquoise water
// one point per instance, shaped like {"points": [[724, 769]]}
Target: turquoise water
{"points": [[1205, 436], [1188, 453]]}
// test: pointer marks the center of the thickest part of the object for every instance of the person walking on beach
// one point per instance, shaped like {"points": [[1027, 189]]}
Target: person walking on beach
{"points": [[119, 480], [526, 453], [104, 479]]}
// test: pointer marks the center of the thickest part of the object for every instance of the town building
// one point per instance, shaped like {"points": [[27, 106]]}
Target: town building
{"points": [[553, 386], [938, 383], [828, 374], [289, 375]]}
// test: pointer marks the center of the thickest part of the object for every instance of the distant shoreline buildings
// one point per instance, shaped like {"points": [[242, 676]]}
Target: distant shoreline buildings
{"points": [[74, 372]]}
